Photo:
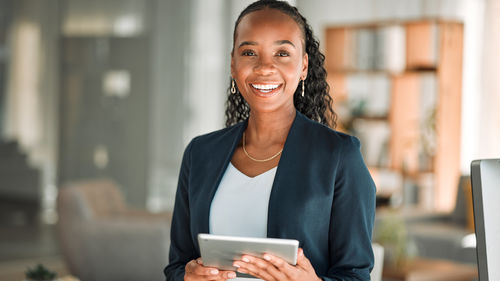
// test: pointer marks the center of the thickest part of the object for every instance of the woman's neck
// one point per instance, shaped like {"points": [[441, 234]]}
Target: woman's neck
{"points": [[267, 128]]}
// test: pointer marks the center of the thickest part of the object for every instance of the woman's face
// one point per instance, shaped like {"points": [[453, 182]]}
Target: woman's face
{"points": [[268, 59]]}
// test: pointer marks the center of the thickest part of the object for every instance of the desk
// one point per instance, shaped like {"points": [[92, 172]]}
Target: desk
{"points": [[431, 270]]}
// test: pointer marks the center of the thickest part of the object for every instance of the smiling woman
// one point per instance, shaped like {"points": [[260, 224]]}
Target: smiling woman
{"points": [[278, 170]]}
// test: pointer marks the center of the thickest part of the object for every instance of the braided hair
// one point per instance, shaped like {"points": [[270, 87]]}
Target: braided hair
{"points": [[317, 103]]}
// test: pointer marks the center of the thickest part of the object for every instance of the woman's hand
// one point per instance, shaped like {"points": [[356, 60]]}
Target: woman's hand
{"points": [[195, 271], [272, 268]]}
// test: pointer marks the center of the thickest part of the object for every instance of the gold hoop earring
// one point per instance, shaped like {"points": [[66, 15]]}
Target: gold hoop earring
{"points": [[303, 88], [233, 88]]}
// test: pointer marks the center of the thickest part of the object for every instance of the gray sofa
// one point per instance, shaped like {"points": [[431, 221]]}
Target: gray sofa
{"points": [[102, 239]]}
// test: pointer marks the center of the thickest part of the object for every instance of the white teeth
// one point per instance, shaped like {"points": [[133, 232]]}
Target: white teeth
{"points": [[265, 87]]}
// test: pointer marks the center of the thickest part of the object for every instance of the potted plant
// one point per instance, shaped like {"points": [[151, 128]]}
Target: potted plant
{"points": [[40, 273], [392, 234]]}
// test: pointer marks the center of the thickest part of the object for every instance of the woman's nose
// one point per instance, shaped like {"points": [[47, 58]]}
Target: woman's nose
{"points": [[265, 66]]}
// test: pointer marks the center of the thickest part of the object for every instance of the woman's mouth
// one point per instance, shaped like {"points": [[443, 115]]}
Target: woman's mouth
{"points": [[266, 90]]}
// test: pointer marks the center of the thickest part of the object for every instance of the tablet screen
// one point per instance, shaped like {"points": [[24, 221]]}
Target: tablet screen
{"points": [[220, 251]]}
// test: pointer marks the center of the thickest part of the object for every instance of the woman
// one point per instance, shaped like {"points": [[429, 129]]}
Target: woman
{"points": [[277, 170]]}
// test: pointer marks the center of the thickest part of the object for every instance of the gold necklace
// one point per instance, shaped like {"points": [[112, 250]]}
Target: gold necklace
{"points": [[259, 160]]}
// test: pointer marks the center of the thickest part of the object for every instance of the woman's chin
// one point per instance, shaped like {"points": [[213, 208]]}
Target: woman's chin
{"points": [[266, 106]]}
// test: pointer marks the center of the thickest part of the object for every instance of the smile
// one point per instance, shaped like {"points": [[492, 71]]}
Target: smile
{"points": [[266, 89]]}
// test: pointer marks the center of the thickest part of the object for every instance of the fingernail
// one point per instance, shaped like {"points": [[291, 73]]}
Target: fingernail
{"points": [[231, 275], [214, 271], [245, 259], [267, 258], [236, 265]]}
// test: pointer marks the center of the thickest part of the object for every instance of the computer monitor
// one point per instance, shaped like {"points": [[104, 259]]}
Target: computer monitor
{"points": [[485, 176]]}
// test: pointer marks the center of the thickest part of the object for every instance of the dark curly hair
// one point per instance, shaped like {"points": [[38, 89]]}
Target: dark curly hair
{"points": [[317, 103]]}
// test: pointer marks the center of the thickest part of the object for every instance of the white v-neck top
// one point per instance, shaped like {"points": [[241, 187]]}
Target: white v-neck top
{"points": [[239, 207]]}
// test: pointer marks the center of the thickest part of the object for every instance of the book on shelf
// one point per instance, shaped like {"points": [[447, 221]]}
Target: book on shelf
{"points": [[392, 50], [367, 49], [374, 135]]}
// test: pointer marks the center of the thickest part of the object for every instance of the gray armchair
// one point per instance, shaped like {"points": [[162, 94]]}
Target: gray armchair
{"points": [[103, 240], [441, 235]]}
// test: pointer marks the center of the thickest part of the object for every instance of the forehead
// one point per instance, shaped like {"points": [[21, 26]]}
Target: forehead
{"points": [[274, 23]]}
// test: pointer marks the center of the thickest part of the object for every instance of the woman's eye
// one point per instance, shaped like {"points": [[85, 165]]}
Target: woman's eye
{"points": [[248, 53], [283, 54]]}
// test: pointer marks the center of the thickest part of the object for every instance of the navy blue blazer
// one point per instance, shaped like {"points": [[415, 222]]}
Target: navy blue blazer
{"points": [[322, 195]]}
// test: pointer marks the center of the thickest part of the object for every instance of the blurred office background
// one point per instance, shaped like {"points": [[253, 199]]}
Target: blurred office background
{"points": [[115, 89]]}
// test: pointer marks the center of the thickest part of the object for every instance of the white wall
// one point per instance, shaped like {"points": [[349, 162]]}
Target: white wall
{"points": [[167, 106], [489, 104], [472, 141], [208, 64]]}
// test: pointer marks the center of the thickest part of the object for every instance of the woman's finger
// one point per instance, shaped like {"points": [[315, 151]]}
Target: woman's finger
{"points": [[256, 272], [203, 270], [196, 268], [190, 266], [302, 260], [198, 271], [259, 268], [265, 264], [286, 269], [226, 274]]}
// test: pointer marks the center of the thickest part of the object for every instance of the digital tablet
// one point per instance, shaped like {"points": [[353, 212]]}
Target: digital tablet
{"points": [[221, 251]]}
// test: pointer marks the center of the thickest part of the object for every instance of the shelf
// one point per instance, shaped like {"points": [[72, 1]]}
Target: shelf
{"points": [[359, 71], [372, 118], [407, 75]]}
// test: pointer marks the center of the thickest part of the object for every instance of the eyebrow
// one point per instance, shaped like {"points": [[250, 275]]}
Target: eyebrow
{"points": [[279, 42]]}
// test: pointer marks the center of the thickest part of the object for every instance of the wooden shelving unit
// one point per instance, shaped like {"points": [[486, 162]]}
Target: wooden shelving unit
{"points": [[397, 85]]}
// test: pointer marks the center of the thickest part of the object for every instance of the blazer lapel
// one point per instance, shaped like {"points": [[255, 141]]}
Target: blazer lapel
{"points": [[287, 178], [220, 162]]}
